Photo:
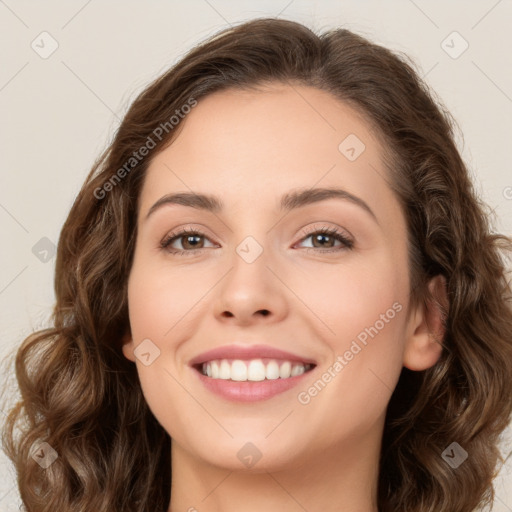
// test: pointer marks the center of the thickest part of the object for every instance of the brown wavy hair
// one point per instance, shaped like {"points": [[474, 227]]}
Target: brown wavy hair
{"points": [[83, 397]]}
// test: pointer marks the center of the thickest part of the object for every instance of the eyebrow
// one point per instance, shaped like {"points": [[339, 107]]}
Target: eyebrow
{"points": [[289, 201]]}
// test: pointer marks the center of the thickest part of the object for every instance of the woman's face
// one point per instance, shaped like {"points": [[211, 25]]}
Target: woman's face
{"points": [[301, 293]]}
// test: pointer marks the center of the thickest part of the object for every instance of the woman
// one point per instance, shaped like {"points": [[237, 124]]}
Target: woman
{"points": [[278, 281]]}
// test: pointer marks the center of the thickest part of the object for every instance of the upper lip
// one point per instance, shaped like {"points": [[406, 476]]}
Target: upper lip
{"points": [[246, 352]]}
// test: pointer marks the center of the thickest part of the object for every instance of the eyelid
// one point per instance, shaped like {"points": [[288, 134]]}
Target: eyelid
{"points": [[180, 232], [309, 230], [342, 235]]}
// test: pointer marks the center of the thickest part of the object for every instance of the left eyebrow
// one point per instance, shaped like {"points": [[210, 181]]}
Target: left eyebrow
{"points": [[302, 197], [289, 201]]}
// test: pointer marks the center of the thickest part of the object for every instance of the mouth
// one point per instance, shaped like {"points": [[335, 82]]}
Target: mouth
{"points": [[254, 370], [250, 373]]}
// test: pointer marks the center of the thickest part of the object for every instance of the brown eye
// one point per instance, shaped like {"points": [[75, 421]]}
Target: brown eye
{"points": [[190, 241], [326, 238], [321, 238]]}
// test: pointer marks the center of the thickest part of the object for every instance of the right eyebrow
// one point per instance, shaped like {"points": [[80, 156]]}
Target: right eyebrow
{"points": [[191, 199]]}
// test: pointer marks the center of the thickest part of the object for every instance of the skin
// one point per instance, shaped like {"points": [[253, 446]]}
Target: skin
{"points": [[249, 148]]}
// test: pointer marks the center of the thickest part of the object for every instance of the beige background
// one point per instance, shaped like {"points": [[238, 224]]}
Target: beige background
{"points": [[59, 112]]}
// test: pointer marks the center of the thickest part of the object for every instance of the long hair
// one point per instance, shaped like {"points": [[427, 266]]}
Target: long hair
{"points": [[79, 394]]}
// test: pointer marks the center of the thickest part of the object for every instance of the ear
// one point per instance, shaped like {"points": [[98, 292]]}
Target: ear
{"points": [[426, 329], [128, 347]]}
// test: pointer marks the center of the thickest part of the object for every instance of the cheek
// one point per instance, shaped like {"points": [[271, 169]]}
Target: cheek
{"points": [[162, 299], [360, 309], [160, 309], [348, 298]]}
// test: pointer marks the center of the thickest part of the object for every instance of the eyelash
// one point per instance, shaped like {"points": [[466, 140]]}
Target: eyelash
{"points": [[334, 232]]}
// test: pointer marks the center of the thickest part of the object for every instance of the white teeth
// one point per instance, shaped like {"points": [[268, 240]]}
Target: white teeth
{"points": [[215, 369], [254, 370], [225, 370], [285, 370], [297, 369], [272, 371], [238, 370]]}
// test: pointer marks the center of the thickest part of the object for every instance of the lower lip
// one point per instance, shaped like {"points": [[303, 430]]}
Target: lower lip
{"points": [[249, 391]]}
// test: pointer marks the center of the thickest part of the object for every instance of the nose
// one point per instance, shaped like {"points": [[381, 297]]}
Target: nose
{"points": [[252, 293], [262, 312]]}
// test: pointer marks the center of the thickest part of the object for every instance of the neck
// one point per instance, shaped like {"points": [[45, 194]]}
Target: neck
{"points": [[341, 478]]}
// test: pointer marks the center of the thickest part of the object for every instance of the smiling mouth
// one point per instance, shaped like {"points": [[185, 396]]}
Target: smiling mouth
{"points": [[254, 370]]}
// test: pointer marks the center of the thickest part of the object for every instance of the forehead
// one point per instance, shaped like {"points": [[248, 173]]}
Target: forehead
{"points": [[250, 147], [302, 120]]}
